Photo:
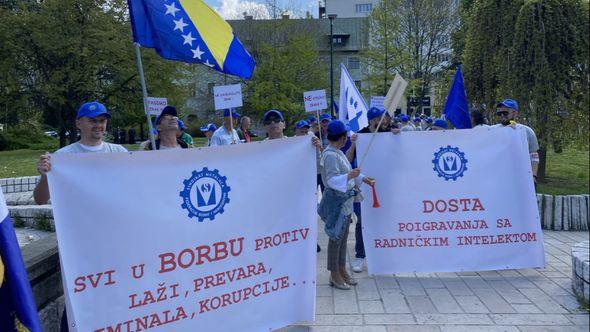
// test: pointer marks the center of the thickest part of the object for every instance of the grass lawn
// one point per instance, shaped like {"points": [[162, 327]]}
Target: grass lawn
{"points": [[567, 172]]}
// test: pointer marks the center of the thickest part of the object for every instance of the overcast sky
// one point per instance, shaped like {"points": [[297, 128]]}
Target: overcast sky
{"points": [[235, 8]]}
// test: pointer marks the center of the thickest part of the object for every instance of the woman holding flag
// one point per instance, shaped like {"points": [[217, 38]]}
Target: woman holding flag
{"points": [[336, 209]]}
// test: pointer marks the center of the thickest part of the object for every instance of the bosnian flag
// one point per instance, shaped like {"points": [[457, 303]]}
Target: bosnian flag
{"points": [[352, 108], [17, 306]]}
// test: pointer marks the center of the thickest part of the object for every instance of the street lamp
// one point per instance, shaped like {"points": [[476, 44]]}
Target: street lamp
{"points": [[332, 17]]}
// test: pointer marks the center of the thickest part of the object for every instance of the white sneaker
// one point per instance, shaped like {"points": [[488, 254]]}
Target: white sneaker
{"points": [[357, 265]]}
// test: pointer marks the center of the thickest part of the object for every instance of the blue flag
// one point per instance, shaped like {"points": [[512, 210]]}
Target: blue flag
{"points": [[17, 306], [456, 108], [189, 31]]}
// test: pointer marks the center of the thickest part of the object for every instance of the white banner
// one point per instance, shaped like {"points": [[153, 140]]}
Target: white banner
{"points": [[186, 240], [227, 96], [459, 200], [315, 100]]}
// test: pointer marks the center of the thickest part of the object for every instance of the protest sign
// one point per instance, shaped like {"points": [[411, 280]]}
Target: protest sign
{"points": [[315, 101], [155, 105], [377, 101], [186, 240], [451, 201], [395, 94], [227, 96]]}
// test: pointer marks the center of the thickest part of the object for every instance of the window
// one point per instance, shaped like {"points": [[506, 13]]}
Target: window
{"points": [[353, 63], [363, 8]]}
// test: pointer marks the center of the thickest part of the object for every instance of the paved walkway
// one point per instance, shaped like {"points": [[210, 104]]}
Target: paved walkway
{"points": [[510, 300]]}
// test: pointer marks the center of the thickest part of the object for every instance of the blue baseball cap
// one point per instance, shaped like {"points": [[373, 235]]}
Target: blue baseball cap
{"points": [[325, 116], [374, 112], [208, 127], [312, 119], [510, 103], [417, 119], [181, 125], [234, 113], [168, 110], [92, 110], [441, 123], [270, 113], [302, 124], [336, 127], [404, 118]]}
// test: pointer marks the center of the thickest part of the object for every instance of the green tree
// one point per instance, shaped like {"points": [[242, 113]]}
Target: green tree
{"points": [[283, 74], [381, 55], [73, 51], [550, 66], [488, 49], [419, 34]]}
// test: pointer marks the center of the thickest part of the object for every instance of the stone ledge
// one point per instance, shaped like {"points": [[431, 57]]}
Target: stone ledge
{"points": [[22, 198], [35, 216], [17, 185], [581, 271]]}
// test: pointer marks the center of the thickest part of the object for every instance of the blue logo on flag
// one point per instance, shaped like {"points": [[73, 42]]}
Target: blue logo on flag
{"points": [[208, 190], [449, 163]]}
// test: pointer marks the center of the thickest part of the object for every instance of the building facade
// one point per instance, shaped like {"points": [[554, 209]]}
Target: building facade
{"points": [[348, 8]]}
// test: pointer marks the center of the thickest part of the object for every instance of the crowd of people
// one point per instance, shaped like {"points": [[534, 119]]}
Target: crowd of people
{"points": [[338, 176]]}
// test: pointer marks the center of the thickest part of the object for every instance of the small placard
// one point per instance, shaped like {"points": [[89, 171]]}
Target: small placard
{"points": [[227, 96], [315, 100], [155, 105], [377, 101]]}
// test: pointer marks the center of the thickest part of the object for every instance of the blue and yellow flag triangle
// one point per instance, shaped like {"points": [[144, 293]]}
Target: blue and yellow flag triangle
{"points": [[189, 31]]}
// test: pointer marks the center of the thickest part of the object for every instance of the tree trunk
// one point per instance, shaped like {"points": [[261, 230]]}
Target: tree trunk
{"points": [[62, 137], [542, 163]]}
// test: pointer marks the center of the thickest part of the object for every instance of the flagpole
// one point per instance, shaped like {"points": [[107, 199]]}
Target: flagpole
{"points": [[145, 95], [317, 112]]}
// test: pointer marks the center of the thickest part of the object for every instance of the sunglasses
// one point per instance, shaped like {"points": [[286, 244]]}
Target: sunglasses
{"points": [[272, 120], [502, 113]]}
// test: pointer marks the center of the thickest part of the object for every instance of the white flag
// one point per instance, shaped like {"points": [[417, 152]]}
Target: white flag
{"points": [[352, 107]]}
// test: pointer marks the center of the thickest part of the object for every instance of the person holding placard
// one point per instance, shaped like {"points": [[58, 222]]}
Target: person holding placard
{"points": [[167, 126], [336, 207], [226, 134]]}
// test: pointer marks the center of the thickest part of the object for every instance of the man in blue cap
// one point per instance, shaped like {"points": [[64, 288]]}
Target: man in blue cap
{"points": [[167, 127], [183, 135], [226, 134], [208, 130], [325, 118], [405, 123], [439, 124], [91, 121], [417, 123], [302, 128], [507, 112], [374, 116], [274, 123]]}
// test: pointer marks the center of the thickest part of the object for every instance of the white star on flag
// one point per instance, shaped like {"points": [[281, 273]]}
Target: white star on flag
{"points": [[171, 9], [207, 63], [188, 39], [197, 53], [179, 25]]}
